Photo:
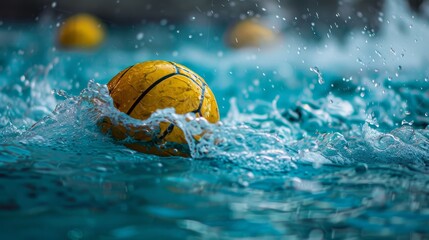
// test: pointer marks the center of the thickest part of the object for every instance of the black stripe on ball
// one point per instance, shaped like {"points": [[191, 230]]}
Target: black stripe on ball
{"points": [[145, 92], [200, 105], [162, 79], [203, 85], [167, 131], [120, 78]]}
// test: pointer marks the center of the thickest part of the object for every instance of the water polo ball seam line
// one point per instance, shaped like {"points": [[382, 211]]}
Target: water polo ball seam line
{"points": [[120, 78], [145, 92], [175, 67], [178, 72], [186, 70], [160, 80], [200, 105], [193, 80]]}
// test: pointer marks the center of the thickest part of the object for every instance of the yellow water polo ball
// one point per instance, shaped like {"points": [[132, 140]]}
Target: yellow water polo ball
{"points": [[249, 33], [81, 31], [143, 88]]}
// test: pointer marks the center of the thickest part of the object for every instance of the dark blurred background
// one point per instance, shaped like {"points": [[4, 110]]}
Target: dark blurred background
{"points": [[298, 15], [127, 11]]}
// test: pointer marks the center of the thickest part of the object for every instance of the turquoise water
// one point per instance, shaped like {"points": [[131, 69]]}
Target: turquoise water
{"points": [[324, 140]]}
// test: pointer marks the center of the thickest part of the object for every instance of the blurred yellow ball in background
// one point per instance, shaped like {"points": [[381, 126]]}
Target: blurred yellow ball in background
{"points": [[142, 89], [81, 31], [249, 33]]}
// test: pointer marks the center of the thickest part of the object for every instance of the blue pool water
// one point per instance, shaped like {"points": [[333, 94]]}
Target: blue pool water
{"points": [[324, 140]]}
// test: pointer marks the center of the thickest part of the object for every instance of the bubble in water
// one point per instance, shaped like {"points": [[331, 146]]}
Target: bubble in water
{"points": [[361, 168], [384, 141]]}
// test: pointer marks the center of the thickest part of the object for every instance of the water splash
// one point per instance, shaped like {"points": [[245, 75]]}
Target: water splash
{"points": [[329, 156]]}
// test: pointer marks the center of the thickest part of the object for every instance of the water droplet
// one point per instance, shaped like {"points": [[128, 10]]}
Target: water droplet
{"points": [[360, 61], [378, 53], [140, 36], [405, 122], [319, 74]]}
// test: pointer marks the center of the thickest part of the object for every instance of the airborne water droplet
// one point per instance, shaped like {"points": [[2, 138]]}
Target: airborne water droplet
{"points": [[319, 74], [140, 36], [405, 122], [378, 53]]}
